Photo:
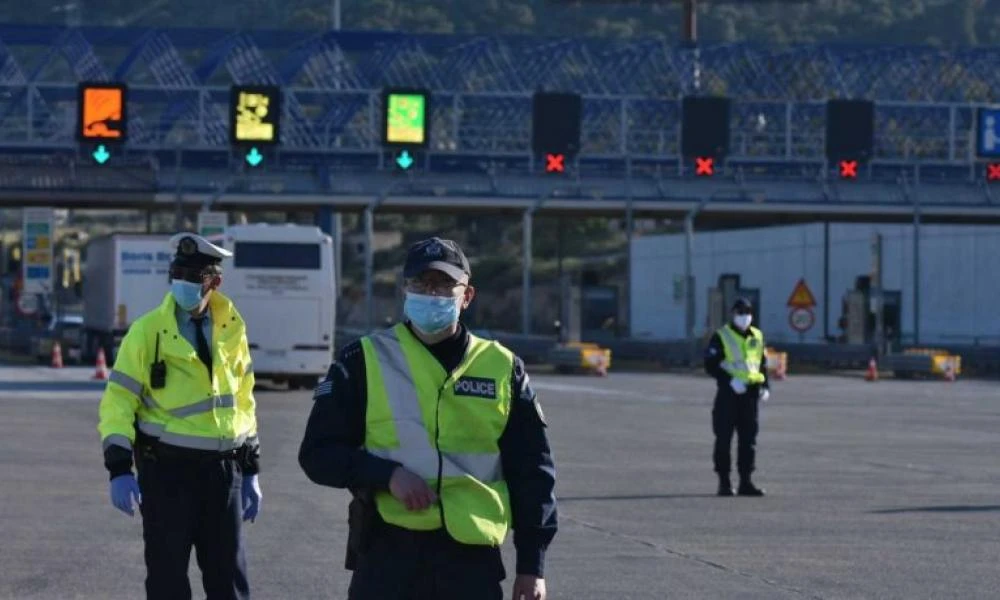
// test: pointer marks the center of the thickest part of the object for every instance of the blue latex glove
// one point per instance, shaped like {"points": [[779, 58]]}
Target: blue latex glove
{"points": [[123, 489], [251, 498]]}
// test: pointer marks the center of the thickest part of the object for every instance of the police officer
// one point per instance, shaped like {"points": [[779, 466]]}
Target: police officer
{"points": [[442, 442], [180, 400], [735, 358]]}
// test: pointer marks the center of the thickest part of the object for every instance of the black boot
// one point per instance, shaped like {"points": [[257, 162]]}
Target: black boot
{"points": [[747, 488], [725, 487]]}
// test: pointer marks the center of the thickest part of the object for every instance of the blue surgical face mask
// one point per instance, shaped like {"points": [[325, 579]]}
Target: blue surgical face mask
{"points": [[186, 294], [431, 314]]}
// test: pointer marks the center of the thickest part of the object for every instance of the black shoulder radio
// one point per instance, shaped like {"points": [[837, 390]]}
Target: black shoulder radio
{"points": [[158, 370]]}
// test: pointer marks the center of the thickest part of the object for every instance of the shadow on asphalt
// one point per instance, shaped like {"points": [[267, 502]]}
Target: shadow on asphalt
{"points": [[960, 508], [635, 497], [51, 386]]}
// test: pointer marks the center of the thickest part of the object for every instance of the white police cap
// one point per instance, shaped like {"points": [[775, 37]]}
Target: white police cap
{"points": [[191, 247]]}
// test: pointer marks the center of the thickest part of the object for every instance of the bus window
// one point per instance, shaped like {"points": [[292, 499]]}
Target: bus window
{"points": [[276, 255]]}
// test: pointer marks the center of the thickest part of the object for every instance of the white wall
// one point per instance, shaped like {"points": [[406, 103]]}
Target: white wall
{"points": [[957, 294]]}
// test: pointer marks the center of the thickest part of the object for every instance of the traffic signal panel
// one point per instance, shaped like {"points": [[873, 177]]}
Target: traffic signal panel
{"points": [[405, 118], [850, 133], [255, 115], [988, 132], [705, 129], [555, 124], [102, 118], [254, 120]]}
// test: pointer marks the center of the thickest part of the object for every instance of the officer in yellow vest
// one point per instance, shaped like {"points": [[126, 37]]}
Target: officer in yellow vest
{"points": [[735, 358], [442, 442], [180, 400]]}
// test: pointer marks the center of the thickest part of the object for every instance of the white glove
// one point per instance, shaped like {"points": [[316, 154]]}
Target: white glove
{"points": [[764, 394], [738, 386]]}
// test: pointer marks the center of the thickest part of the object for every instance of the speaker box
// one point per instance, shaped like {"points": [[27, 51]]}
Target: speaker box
{"points": [[555, 123], [850, 130], [705, 126]]}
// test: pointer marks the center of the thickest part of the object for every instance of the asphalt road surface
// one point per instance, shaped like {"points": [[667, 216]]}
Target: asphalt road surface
{"points": [[875, 490]]}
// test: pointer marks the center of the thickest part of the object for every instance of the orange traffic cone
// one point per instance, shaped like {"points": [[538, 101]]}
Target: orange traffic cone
{"points": [[872, 373], [57, 362], [102, 365], [601, 368], [780, 373]]}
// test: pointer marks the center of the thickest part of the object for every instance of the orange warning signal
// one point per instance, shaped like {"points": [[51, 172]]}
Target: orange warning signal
{"points": [[102, 112], [802, 296]]}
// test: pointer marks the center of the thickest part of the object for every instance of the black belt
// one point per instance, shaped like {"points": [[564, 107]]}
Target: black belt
{"points": [[162, 450]]}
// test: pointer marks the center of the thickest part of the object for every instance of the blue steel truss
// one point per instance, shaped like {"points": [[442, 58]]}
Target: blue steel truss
{"points": [[481, 88], [368, 60]]}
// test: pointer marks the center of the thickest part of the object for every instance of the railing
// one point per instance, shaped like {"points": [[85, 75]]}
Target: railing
{"points": [[43, 116]]}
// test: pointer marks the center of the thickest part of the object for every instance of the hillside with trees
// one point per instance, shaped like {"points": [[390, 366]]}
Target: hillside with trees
{"points": [[939, 22]]}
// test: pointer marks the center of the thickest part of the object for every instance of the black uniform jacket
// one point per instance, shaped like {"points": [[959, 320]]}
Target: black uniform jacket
{"points": [[332, 451], [715, 354]]}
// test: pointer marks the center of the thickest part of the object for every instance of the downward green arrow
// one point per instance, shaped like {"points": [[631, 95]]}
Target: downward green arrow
{"points": [[254, 157], [404, 160], [101, 154]]}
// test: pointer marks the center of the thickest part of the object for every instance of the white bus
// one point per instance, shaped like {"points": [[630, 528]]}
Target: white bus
{"points": [[282, 279]]}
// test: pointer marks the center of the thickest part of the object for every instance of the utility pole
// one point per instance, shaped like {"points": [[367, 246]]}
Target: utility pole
{"points": [[335, 14], [690, 25], [690, 41], [877, 295]]}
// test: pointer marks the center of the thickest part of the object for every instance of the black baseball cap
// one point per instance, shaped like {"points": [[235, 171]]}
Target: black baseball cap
{"points": [[439, 255], [742, 304]]}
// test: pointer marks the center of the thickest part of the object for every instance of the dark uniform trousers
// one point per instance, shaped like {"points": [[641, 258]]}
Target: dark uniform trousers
{"points": [[735, 413], [192, 501], [399, 564]]}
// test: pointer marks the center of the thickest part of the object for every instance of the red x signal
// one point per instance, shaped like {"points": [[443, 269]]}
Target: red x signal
{"points": [[704, 166], [555, 163], [993, 172], [849, 169]]}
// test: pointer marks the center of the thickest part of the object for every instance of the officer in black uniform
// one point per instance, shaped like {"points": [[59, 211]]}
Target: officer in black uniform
{"points": [[736, 403], [430, 564]]}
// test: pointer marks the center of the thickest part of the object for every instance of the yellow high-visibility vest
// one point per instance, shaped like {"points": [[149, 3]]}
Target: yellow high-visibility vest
{"points": [[443, 427], [191, 410], [743, 355]]}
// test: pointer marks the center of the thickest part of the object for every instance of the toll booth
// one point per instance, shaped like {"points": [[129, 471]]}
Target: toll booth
{"points": [[859, 319], [599, 311], [569, 326], [587, 318], [722, 297]]}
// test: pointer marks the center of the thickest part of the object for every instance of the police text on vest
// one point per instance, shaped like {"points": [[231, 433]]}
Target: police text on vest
{"points": [[476, 386]]}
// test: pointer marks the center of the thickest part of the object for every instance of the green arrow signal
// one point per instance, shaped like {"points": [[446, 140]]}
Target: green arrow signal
{"points": [[101, 154], [254, 157], [404, 160]]}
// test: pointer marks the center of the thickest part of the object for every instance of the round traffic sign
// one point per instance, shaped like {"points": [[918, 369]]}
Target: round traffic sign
{"points": [[801, 319], [27, 304]]}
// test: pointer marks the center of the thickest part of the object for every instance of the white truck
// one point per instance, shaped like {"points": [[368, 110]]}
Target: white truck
{"points": [[125, 276], [282, 280]]}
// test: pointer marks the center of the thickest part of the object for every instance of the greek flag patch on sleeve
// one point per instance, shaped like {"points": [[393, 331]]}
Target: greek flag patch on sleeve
{"points": [[325, 388]]}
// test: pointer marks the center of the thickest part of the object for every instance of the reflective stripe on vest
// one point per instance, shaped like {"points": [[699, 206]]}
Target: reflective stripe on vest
{"points": [[191, 441], [415, 449], [210, 403], [742, 365]]}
